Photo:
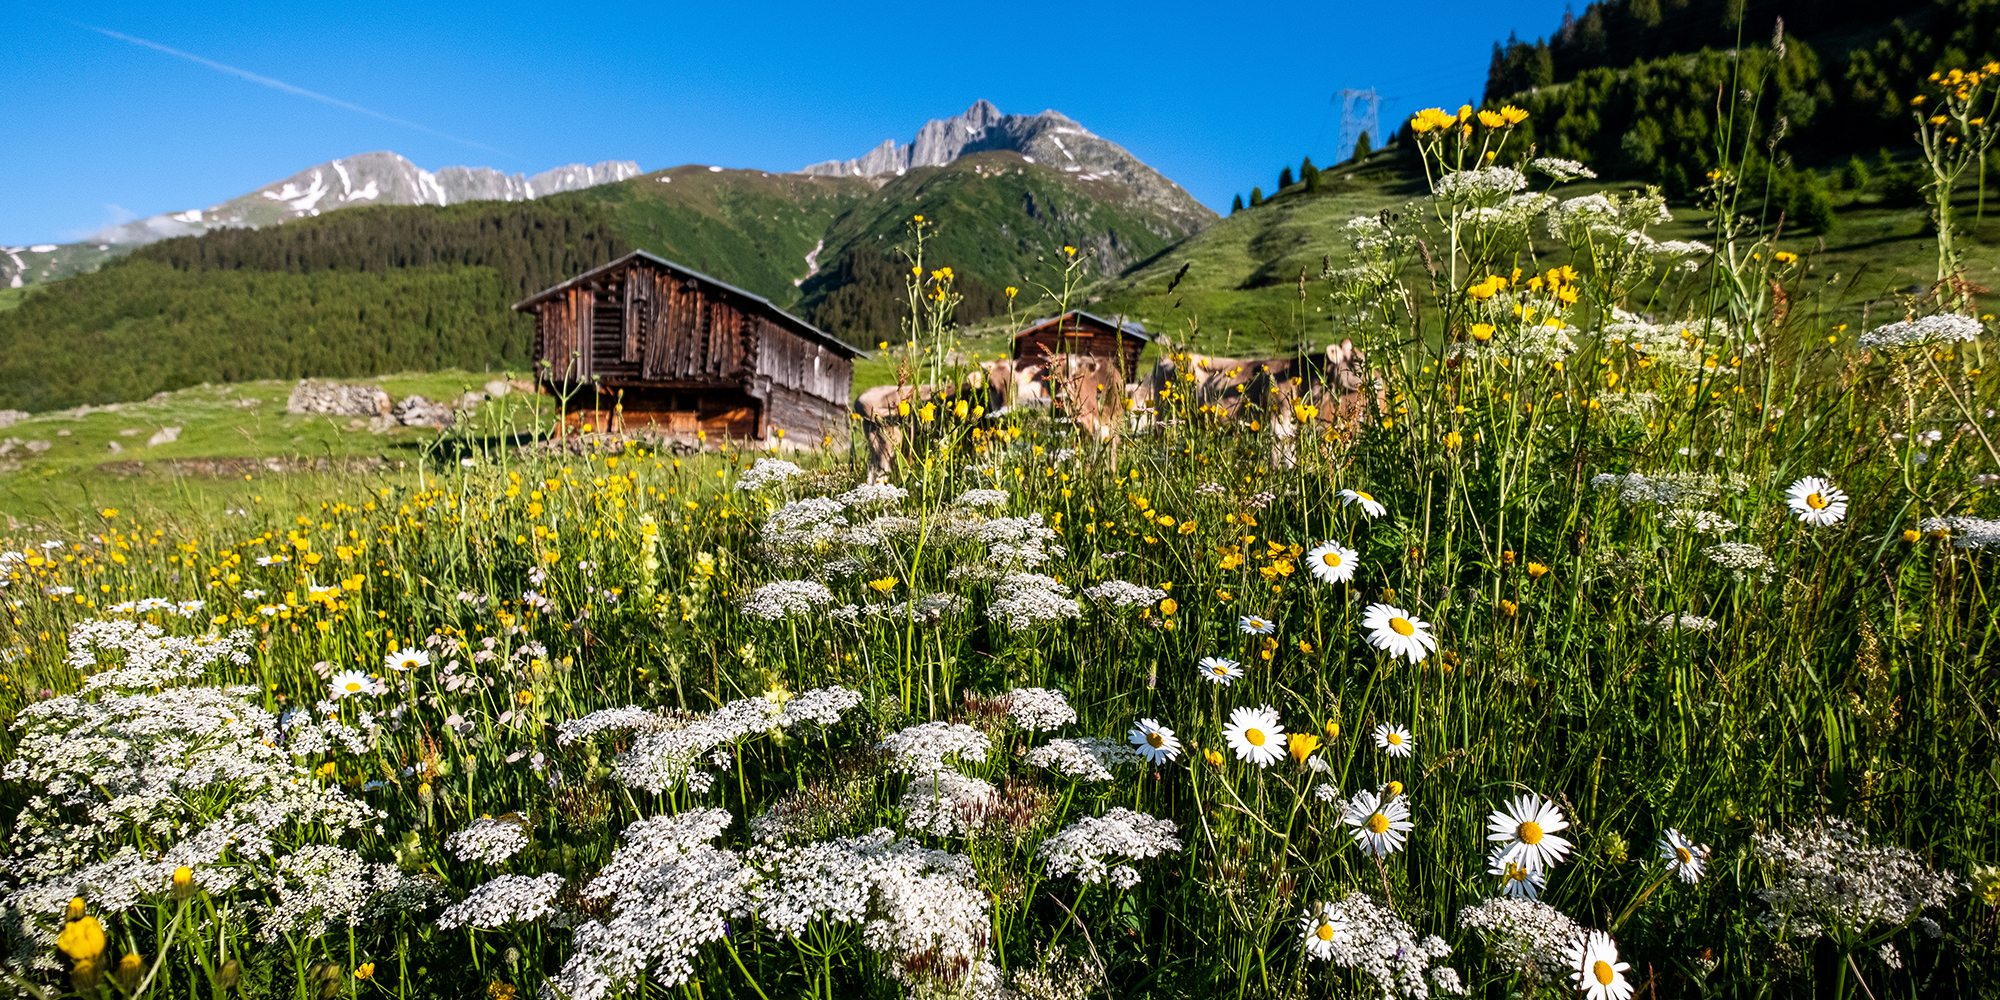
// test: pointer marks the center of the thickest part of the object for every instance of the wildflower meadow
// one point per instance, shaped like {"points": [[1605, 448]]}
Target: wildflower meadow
{"points": [[1633, 636]]}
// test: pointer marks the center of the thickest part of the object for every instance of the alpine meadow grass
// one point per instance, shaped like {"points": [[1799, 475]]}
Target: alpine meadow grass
{"points": [[1637, 638]]}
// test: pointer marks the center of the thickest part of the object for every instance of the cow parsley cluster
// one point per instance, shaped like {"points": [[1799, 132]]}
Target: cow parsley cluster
{"points": [[1965, 532], [1036, 709], [767, 472], [1087, 759], [509, 899], [1667, 489], [982, 498], [143, 773], [1826, 875], [488, 840], [1022, 601], [921, 908], [1482, 186], [1705, 522], [921, 749], [1118, 593], [1561, 170], [1679, 623], [1526, 935], [669, 891], [1741, 559], [782, 599], [1944, 329], [1363, 933], [666, 749], [1081, 848], [946, 803]]}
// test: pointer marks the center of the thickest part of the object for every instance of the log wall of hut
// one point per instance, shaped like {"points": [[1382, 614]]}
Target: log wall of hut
{"points": [[653, 348]]}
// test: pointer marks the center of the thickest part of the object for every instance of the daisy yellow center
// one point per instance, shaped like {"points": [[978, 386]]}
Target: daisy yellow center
{"points": [[1220, 669], [1402, 626], [1364, 496], [1516, 873], [1529, 832], [1255, 736], [1602, 970], [353, 686], [1331, 559], [1155, 740], [1815, 501], [1395, 739], [1395, 788], [1378, 823], [1686, 856], [409, 663], [1325, 932]]}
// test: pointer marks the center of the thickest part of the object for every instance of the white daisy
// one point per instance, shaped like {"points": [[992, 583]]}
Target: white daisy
{"points": [[1816, 501], [404, 659], [1526, 826], [1155, 742], [251, 595], [1594, 965], [1317, 926], [1253, 625], [1380, 824], [1369, 505], [1256, 735], [1332, 562], [1395, 740], [1515, 879], [1221, 671], [1684, 857], [273, 560], [349, 682], [1392, 629]]}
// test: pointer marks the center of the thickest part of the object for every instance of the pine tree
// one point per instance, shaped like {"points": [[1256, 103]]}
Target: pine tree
{"points": [[1256, 197], [1309, 175], [1238, 206], [1362, 147], [1285, 178]]}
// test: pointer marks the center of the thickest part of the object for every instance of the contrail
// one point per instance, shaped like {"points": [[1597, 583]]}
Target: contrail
{"points": [[286, 87]]}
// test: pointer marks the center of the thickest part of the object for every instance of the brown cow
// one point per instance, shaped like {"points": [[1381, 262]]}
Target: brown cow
{"points": [[1085, 390], [1335, 384]]}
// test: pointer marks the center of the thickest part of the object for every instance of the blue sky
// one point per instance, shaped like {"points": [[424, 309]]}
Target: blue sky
{"points": [[1217, 97]]}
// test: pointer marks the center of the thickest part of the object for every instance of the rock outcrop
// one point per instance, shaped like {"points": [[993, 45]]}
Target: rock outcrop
{"points": [[336, 399]]}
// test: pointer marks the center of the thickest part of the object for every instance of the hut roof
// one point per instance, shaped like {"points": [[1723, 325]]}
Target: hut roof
{"points": [[795, 324], [1130, 328]]}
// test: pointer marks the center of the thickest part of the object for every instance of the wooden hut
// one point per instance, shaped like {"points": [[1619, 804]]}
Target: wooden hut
{"points": [[648, 343], [1084, 335]]}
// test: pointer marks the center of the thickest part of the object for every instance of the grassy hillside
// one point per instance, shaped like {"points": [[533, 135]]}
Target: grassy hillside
{"points": [[232, 438], [1241, 286], [998, 217]]}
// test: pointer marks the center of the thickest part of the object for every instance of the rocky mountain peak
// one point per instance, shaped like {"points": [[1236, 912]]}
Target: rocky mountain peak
{"points": [[1051, 138]]}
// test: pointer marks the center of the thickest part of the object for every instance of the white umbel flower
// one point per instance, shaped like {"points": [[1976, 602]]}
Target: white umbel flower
{"points": [[1816, 501], [1369, 505], [1332, 562], [1395, 631], [1684, 857], [1595, 967], [1221, 671], [1527, 826], [1380, 825], [1394, 740], [349, 682], [407, 659], [1256, 735], [1155, 742]]}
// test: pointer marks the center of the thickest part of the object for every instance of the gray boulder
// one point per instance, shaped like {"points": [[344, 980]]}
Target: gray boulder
{"points": [[338, 400]]}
